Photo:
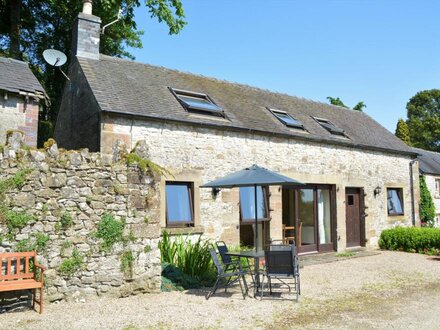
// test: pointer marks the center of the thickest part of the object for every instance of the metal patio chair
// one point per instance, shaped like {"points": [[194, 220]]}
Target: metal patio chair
{"points": [[230, 276], [281, 264], [229, 262]]}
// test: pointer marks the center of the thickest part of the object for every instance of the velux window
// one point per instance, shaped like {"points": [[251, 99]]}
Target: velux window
{"points": [[197, 102], [329, 126], [179, 204], [395, 201], [286, 119], [247, 204]]}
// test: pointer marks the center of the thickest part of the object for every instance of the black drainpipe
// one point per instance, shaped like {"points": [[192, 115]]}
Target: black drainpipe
{"points": [[411, 173]]}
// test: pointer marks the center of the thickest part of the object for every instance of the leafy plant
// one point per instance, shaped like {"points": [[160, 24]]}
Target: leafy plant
{"points": [[127, 261], [147, 248], [16, 220], [24, 245], [192, 258], [411, 239], [41, 241], [16, 181], [111, 231], [71, 265], [66, 220]]}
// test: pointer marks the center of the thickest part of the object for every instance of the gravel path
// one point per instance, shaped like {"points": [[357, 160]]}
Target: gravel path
{"points": [[392, 289]]}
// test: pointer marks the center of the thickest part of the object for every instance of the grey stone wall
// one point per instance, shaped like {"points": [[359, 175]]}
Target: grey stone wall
{"points": [[200, 155], [86, 186]]}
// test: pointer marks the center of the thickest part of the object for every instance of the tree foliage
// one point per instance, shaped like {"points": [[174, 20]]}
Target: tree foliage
{"points": [[28, 27], [427, 207], [402, 131], [337, 101], [423, 112]]}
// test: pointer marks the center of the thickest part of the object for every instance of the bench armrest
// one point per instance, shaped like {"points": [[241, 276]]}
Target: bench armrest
{"points": [[40, 266]]}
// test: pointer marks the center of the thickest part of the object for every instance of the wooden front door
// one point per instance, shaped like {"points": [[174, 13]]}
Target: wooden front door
{"points": [[353, 216]]}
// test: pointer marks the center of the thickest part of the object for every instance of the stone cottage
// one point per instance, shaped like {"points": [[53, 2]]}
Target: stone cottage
{"points": [[20, 93], [357, 173], [429, 165]]}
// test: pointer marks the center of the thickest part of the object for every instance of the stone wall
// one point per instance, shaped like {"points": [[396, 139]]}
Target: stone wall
{"points": [[17, 113], [200, 155], [85, 186]]}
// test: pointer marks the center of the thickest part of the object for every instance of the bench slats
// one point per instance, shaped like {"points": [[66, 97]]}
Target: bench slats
{"points": [[20, 285]]}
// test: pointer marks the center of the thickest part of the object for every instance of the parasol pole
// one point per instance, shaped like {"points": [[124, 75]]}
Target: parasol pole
{"points": [[256, 218]]}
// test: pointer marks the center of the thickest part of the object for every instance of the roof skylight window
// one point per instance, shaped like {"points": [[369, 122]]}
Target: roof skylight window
{"points": [[197, 102], [286, 119], [329, 126]]}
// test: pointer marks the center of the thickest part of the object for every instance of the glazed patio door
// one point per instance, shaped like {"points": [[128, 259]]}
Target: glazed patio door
{"points": [[311, 211]]}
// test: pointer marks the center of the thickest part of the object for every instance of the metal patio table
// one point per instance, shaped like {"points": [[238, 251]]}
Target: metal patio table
{"points": [[256, 255]]}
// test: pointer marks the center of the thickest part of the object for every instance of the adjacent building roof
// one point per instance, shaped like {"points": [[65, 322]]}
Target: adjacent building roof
{"points": [[132, 88], [429, 161], [15, 76]]}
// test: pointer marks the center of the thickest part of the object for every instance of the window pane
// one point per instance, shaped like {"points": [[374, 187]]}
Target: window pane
{"points": [[288, 120], [199, 102], [247, 203], [324, 216], [306, 212], [178, 201], [394, 201]]}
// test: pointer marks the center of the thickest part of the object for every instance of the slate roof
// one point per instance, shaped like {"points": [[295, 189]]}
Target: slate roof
{"points": [[132, 88], [429, 161], [15, 76]]}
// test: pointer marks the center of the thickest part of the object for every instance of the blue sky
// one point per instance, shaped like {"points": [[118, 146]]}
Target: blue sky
{"points": [[379, 52]]}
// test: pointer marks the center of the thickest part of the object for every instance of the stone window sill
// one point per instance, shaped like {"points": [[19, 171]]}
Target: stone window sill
{"points": [[184, 230]]}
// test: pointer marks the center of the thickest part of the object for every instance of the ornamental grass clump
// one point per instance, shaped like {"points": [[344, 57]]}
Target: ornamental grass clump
{"points": [[181, 255], [411, 239]]}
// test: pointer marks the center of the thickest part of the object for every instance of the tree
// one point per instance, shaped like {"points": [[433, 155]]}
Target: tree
{"points": [[28, 27], [337, 101], [427, 207], [402, 131], [423, 112]]}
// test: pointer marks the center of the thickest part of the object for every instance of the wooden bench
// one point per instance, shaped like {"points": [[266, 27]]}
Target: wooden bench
{"points": [[18, 271]]}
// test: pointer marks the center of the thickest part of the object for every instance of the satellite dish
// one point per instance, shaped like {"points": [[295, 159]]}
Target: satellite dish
{"points": [[54, 57]]}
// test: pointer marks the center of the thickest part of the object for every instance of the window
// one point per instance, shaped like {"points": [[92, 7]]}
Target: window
{"points": [[247, 204], [395, 201], [286, 119], [437, 188], [329, 126], [197, 102], [179, 204]]}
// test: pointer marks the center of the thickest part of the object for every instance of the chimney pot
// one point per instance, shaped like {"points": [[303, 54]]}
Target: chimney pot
{"points": [[87, 7]]}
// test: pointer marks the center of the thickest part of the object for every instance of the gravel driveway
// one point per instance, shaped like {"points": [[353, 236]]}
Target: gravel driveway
{"points": [[388, 290]]}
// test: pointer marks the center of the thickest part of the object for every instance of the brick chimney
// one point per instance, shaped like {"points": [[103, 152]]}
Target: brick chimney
{"points": [[86, 33]]}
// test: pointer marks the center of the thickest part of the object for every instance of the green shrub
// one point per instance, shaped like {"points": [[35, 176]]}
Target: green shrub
{"points": [[111, 231], [191, 258], [427, 207], [411, 239], [66, 219], [127, 261], [70, 266]]}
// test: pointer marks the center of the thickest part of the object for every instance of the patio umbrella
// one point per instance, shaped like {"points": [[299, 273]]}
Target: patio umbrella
{"points": [[252, 177]]}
